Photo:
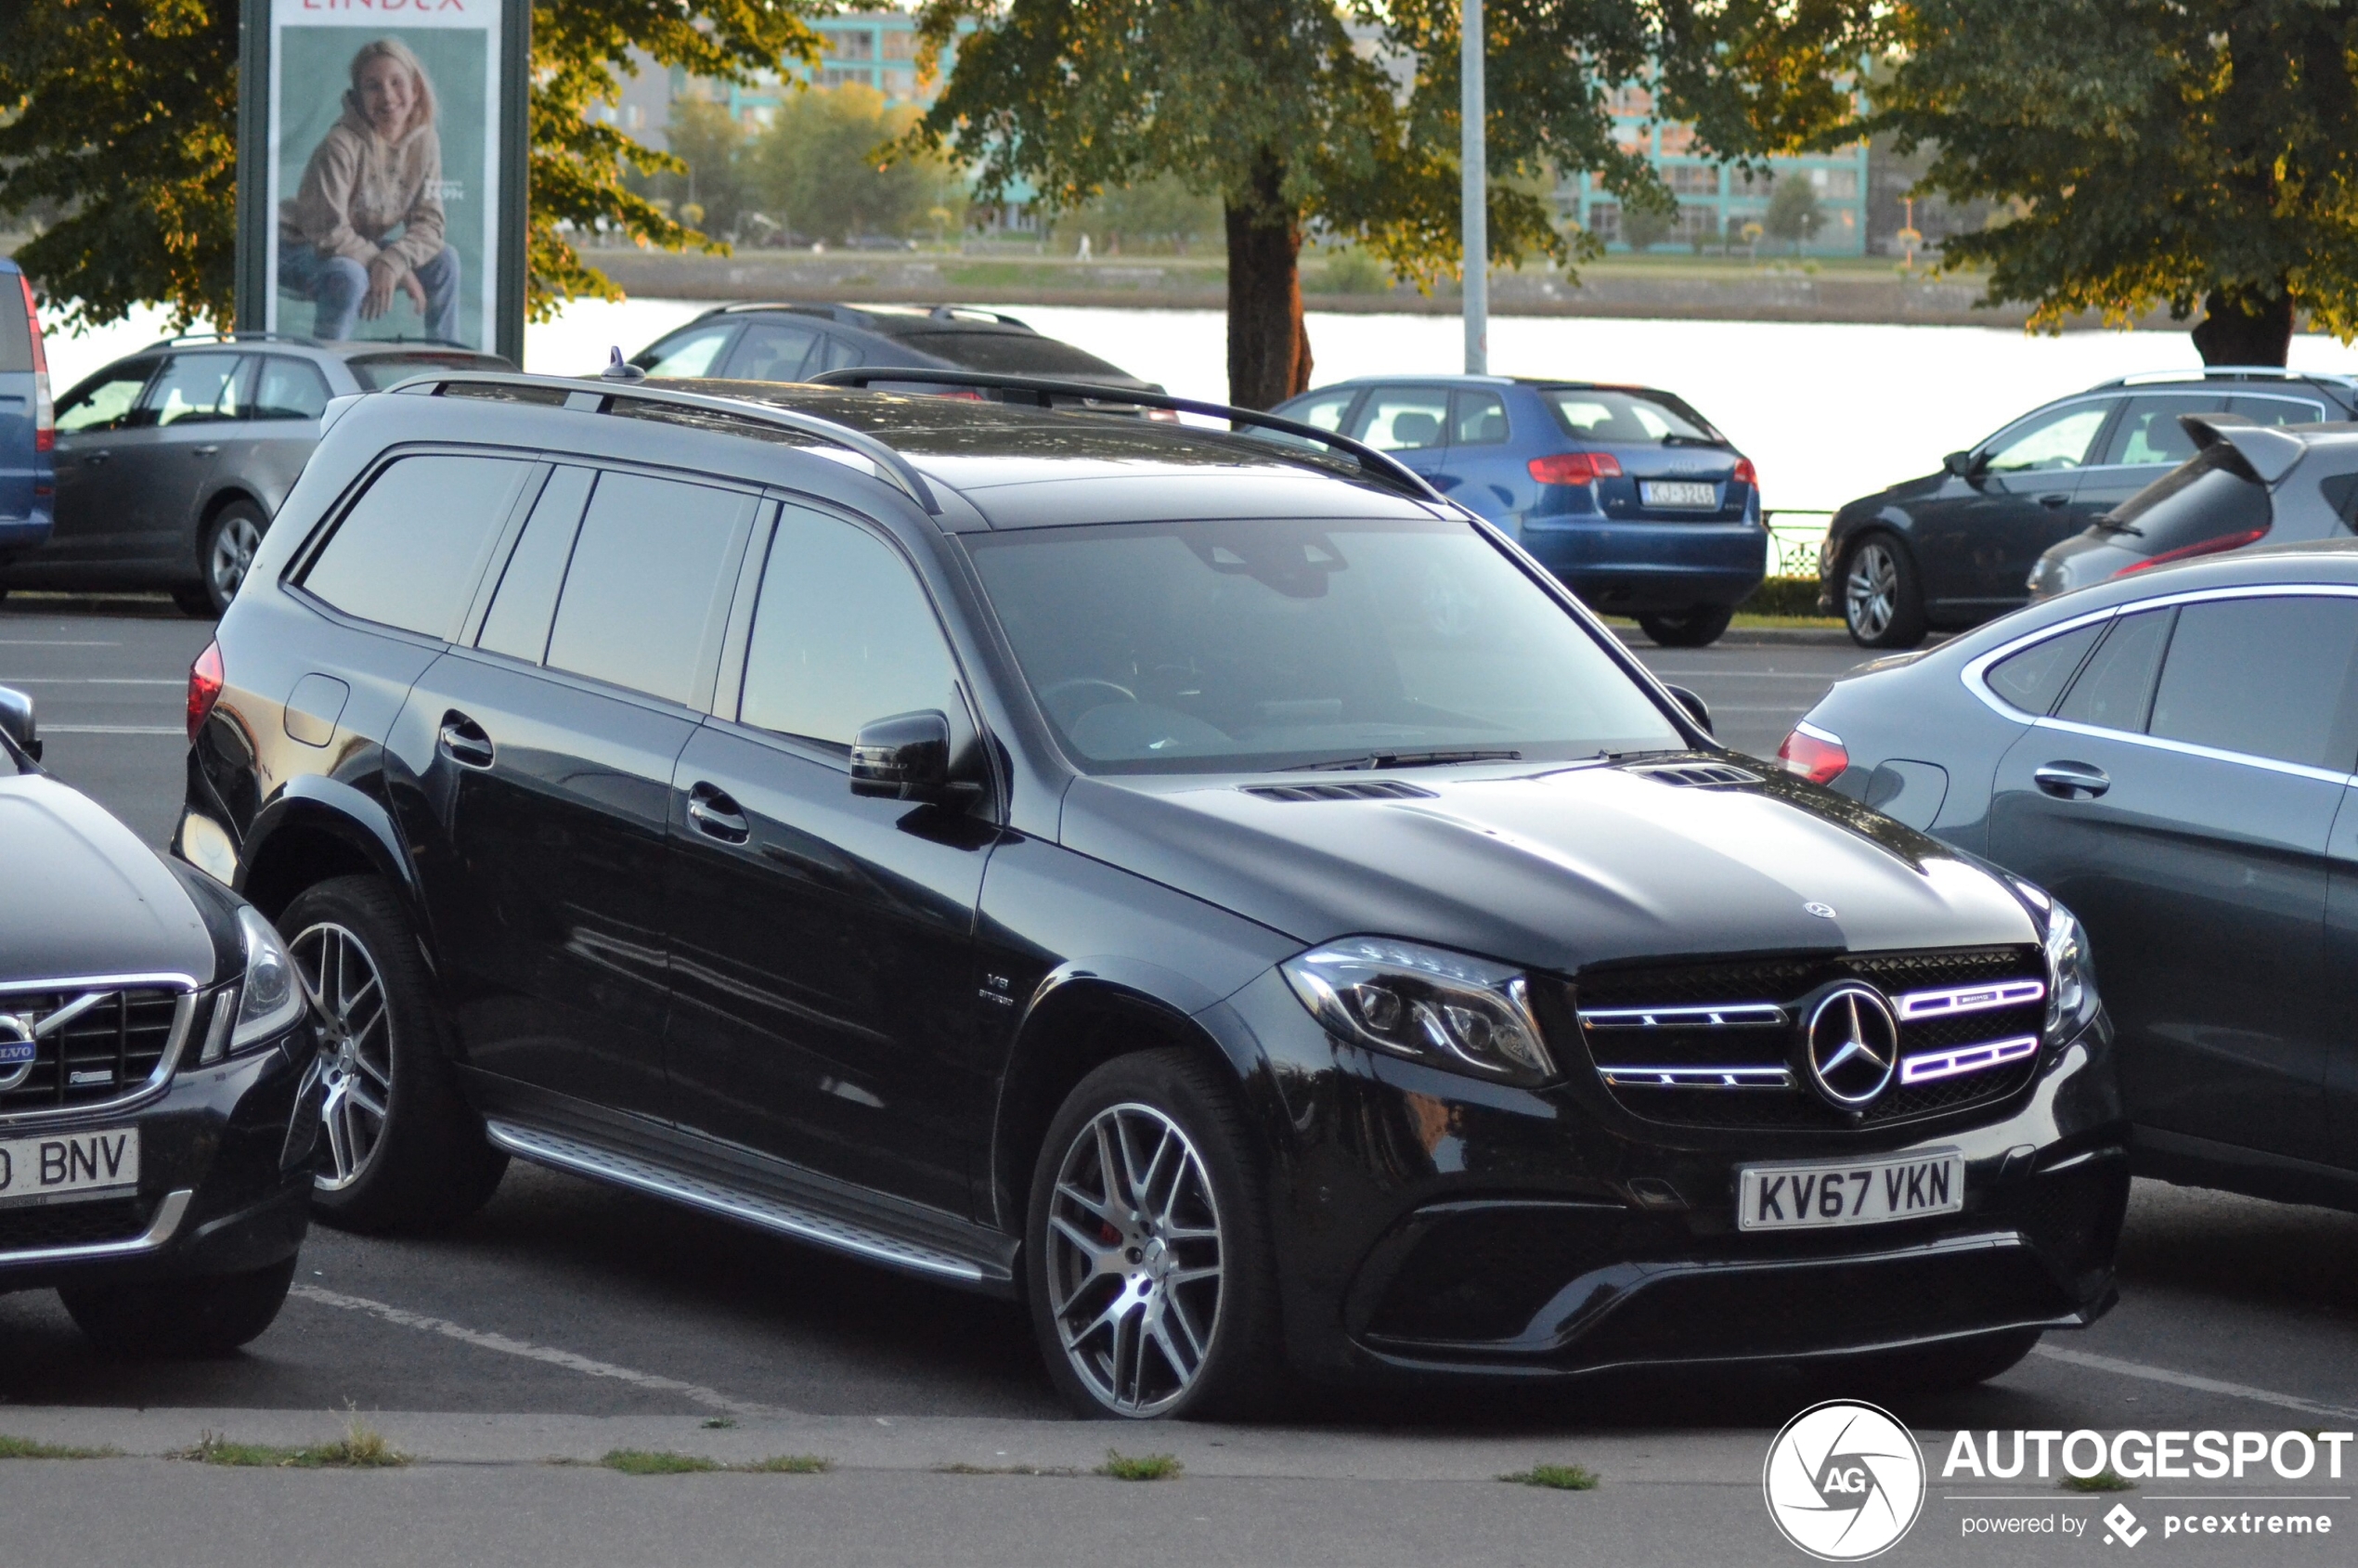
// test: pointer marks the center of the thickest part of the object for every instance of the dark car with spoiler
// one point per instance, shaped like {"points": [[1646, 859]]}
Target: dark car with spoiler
{"points": [[1196, 880]]}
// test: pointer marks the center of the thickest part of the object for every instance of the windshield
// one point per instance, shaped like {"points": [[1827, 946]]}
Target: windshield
{"points": [[1234, 646], [377, 371], [1620, 417]]}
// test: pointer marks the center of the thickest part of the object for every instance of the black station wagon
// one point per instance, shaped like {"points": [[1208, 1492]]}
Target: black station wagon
{"points": [[1200, 882]]}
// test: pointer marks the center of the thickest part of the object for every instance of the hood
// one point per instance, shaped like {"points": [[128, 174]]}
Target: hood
{"points": [[1555, 869], [1905, 490], [81, 896]]}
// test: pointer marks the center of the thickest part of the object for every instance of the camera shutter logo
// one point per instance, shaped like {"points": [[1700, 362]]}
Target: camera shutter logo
{"points": [[1850, 1043], [18, 1049], [1844, 1481]]}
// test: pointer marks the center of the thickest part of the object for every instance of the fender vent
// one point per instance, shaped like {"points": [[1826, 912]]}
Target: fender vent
{"points": [[1357, 789], [1697, 775]]}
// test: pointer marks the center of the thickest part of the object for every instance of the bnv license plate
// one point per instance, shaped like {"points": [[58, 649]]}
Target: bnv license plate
{"points": [[1675, 492], [1862, 1192], [67, 1165]]}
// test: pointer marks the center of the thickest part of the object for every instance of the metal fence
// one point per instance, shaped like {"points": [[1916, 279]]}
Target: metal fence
{"points": [[1796, 536]]}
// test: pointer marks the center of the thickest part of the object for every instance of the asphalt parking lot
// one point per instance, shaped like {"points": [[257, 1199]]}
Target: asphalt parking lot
{"points": [[568, 1302]]}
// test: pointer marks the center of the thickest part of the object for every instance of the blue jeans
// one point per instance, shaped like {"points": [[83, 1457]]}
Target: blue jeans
{"points": [[335, 285]]}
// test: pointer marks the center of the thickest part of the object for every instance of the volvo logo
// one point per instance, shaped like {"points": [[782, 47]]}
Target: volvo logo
{"points": [[1850, 1043], [17, 1049]]}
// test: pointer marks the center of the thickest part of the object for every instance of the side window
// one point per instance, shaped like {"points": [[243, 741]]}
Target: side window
{"points": [[289, 389], [2277, 410], [842, 634], [771, 351], [2058, 438], [644, 588], [522, 605], [410, 549], [2032, 680], [1403, 418], [2264, 677], [1477, 418], [841, 353], [2114, 690], [1326, 412], [105, 401], [2149, 433], [194, 387], [692, 355]]}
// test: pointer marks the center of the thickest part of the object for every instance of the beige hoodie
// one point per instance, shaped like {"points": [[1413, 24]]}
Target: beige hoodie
{"points": [[358, 187]]}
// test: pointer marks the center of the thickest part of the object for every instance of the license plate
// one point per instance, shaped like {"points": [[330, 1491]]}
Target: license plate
{"points": [[67, 1165], [1675, 492], [1862, 1192]]}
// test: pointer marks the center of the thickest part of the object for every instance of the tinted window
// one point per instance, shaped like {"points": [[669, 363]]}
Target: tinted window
{"points": [[16, 327], [1404, 419], [644, 583], [1477, 418], [2276, 410], [2115, 688], [377, 371], [2214, 497], [1629, 418], [518, 622], [2033, 678], [104, 402], [692, 352], [2149, 432], [771, 352], [842, 635], [2266, 677], [1011, 353], [410, 549], [2058, 438], [194, 387], [289, 389], [837, 354]]}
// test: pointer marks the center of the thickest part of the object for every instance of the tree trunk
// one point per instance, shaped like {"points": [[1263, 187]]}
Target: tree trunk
{"points": [[2245, 327], [1268, 349]]}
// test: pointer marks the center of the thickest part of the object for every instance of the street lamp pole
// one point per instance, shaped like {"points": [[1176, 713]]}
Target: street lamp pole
{"points": [[1474, 158]]}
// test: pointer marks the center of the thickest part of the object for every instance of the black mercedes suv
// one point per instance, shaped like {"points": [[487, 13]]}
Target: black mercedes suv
{"points": [[1198, 881]]}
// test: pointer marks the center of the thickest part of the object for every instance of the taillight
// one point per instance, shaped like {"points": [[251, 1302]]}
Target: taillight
{"points": [[1574, 467], [2186, 553], [204, 688], [45, 412], [1746, 473], [1815, 755]]}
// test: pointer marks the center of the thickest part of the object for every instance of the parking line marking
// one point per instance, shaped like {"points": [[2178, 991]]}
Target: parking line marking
{"points": [[50, 642], [711, 1399], [114, 729], [88, 680], [2189, 1381]]}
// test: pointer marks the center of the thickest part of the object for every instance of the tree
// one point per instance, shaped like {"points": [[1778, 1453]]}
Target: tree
{"points": [[817, 168], [1642, 227], [1792, 213], [711, 148], [1274, 109], [124, 112], [2206, 154]]}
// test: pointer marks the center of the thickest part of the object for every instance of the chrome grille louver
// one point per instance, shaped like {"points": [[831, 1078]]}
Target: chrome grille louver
{"points": [[72, 1045]]}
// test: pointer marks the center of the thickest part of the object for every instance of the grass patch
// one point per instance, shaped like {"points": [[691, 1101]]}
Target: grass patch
{"points": [[718, 1423], [2103, 1481], [1559, 1478], [27, 1448], [962, 1469], [1142, 1467], [649, 1461], [360, 1447], [788, 1464]]}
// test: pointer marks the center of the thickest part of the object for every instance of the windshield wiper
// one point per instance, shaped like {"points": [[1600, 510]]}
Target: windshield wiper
{"points": [[1676, 440], [1403, 759]]}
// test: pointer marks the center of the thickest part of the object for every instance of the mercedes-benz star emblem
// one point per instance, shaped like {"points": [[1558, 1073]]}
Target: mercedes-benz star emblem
{"points": [[1851, 1046]]}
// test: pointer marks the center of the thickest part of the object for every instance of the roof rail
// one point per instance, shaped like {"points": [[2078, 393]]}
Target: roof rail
{"points": [[972, 312], [1375, 465], [592, 396], [183, 339], [2234, 372]]}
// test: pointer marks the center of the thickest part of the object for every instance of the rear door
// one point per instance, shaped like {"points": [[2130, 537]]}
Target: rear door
{"points": [[1978, 539], [282, 426], [191, 410], [1478, 470], [771, 351], [2181, 801], [2144, 443], [1410, 422]]}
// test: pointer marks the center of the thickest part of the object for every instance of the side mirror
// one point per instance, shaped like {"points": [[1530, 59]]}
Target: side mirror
{"points": [[1695, 707], [907, 758], [1964, 465], [17, 722]]}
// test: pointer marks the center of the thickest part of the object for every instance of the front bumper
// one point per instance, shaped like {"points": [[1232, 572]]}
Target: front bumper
{"points": [[1428, 1224], [226, 1160]]}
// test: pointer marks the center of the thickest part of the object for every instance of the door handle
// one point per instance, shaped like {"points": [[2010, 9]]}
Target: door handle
{"points": [[94, 458], [203, 451], [712, 814], [2069, 781], [2055, 501], [464, 743]]}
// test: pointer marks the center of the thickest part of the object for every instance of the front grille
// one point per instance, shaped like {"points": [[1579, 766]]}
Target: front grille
{"points": [[1716, 1044], [71, 1225], [87, 1045]]}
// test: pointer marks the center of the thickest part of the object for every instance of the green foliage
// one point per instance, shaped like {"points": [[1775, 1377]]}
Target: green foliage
{"points": [[2103, 1481], [2151, 152], [359, 1448], [1561, 1478], [29, 1448], [1162, 212], [1141, 1466], [821, 169], [1792, 213], [1643, 227], [711, 148], [655, 1461]]}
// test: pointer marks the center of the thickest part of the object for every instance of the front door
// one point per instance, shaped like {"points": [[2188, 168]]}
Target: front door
{"points": [[95, 422], [1409, 422], [824, 968], [1976, 542], [2181, 801], [2143, 444]]}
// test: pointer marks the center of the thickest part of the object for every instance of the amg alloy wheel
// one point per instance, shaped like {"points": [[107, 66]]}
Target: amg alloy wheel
{"points": [[357, 1048]]}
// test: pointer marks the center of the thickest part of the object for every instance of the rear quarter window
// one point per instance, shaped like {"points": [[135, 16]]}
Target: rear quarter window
{"points": [[409, 550]]}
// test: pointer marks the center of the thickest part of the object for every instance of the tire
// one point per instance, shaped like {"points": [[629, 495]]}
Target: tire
{"points": [[1205, 1207], [1883, 599], [207, 1315], [1942, 1368], [193, 600], [1698, 627], [225, 551], [405, 1152]]}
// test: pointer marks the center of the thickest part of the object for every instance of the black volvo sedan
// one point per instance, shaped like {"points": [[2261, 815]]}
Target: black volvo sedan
{"points": [[1210, 887], [158, 1079]]}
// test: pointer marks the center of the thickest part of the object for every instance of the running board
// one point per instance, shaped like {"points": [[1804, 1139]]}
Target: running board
{"points": [[763, 1212]]}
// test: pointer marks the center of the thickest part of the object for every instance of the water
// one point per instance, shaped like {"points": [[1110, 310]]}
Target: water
{"points": [[1827, 412]]}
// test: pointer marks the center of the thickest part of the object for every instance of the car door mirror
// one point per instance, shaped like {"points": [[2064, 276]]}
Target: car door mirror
{"points": [[16, 722], [1964, 465], [907, 758], [1696, 708]]}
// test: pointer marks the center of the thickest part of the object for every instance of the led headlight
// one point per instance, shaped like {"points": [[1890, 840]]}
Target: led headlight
{"points": [[2071, 972], [265, 1002], [1465, 1014]]}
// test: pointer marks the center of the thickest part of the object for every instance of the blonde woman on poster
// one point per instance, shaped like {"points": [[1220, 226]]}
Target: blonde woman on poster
{"points": [[366, 222]]}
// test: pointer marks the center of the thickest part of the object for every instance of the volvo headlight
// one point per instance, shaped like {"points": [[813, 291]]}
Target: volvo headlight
{"points": [[266, 999], [1465, 1014], [2071, 972]]}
